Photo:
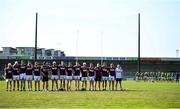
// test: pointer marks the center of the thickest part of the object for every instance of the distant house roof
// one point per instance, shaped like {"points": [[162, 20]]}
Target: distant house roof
{"points": [[58, 50], [7, 47], [49, 49], [24, 47], [40, 48]]}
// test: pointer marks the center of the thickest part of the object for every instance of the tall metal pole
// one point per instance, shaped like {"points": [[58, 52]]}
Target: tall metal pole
{"points": [[77, 45], [139, 47], [35, 53], [177, 53], [101, 47]]}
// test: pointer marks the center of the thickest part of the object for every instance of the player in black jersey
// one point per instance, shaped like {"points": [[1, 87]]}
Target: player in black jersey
{"points": [[45, 73]]}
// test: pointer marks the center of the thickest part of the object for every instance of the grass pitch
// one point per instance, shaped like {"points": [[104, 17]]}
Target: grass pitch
{"points": [[139, 95]]}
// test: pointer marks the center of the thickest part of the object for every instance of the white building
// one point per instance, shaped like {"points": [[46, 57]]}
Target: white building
{"points": [[25, 51], [30, 51], [9, 51]]}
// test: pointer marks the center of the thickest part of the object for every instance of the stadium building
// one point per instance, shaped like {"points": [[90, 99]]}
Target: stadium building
{"points": [[30, 51], [129, 64]]}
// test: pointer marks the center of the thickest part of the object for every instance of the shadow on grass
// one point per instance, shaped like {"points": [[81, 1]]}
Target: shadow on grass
{"points": [[60, 91], [129, 90]]}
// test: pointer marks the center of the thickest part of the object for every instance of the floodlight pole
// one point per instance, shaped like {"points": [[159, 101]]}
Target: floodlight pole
{"points": [[177, 53], [77, 45], [35, 53], [139, 47], [101, 48]]}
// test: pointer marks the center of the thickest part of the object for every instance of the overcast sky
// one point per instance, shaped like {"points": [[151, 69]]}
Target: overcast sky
{"points": [[62, 23]]}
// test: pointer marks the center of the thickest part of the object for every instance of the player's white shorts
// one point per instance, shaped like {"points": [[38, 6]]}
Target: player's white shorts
{"points": [[37, 78], [83, 78], [62, 77], [76, 77], [118, 75], [137, 77], [8, 80], [91, 78], [68, 77], [105, 78], [15, 77], [111, 78], [54, 77], [22, 76], [29, 77]]}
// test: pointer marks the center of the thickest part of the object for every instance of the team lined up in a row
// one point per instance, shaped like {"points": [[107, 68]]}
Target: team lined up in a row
{"points": [[22, 72]]}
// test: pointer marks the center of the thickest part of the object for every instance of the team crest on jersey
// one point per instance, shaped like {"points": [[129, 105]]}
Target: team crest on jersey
{"points": [[15, 68], [9, 71], [105, 70], [62, 68], [29, 68], [112, 70], [84, 70], [77, 68], [22, 66], [69, 68], [91, 70], [54, 68], [36, 69]]}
